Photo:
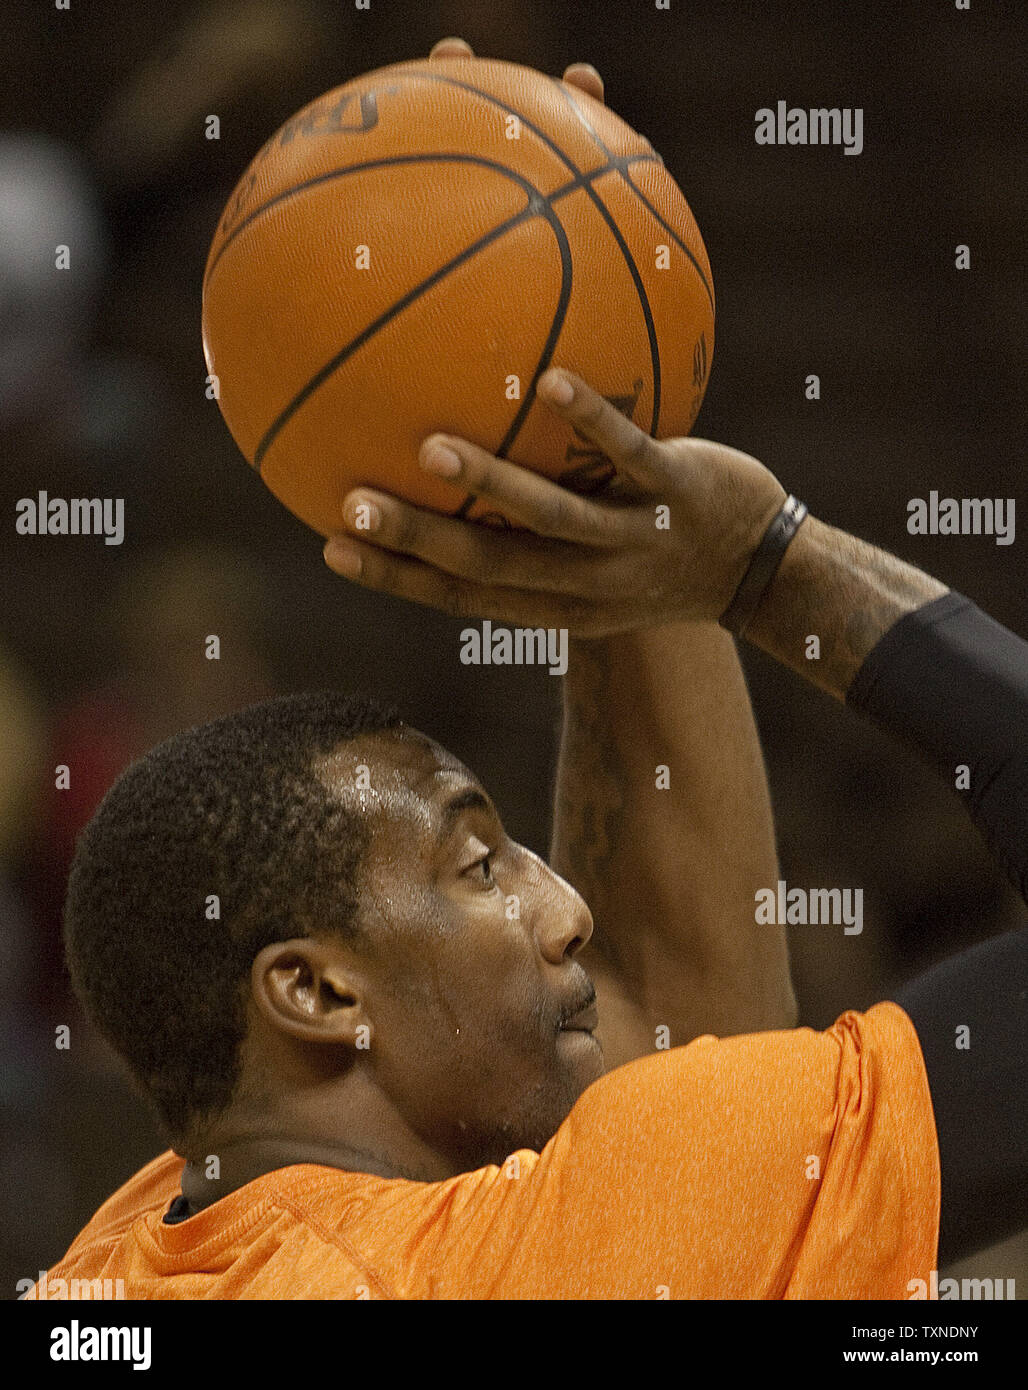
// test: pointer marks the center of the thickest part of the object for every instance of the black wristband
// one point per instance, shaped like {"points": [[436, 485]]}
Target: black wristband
{"points": [[763, 567]]}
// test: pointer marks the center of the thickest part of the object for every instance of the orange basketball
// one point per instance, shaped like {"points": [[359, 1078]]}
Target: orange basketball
{"points": [[410, 253]]}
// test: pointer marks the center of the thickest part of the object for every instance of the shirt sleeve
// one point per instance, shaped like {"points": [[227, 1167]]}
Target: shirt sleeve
{"points": [[793, 1164], [952, 683]]}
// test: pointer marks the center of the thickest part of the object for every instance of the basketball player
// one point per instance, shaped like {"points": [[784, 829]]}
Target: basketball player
{"points": [[378, 1066]]}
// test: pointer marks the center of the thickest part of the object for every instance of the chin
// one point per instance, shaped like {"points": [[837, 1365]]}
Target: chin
{"points": [[583, 1056], [543, 1108], [578, 1074]]}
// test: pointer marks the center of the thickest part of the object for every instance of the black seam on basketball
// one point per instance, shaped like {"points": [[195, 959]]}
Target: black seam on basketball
{"points": [[495, 101], [633, 269], [651, 329], [609, 168], [545, 357], [397, 307], [671, 233], [638, 192], [433, 157], [559, 314], [537, 206], [640, 289], [644, 302], [614, 161]]}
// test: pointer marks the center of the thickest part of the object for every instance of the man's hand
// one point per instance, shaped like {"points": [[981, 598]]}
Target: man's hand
{"points": [[581, 75], [592, 566]]}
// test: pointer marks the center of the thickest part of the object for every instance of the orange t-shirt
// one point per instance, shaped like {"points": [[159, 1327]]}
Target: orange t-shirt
{"points": [[775, 1165]]}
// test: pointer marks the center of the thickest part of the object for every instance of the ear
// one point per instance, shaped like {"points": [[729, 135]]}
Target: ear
{"points": [[307, 989]]}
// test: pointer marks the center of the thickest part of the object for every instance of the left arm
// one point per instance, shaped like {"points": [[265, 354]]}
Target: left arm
{"points": [[669, 862]]}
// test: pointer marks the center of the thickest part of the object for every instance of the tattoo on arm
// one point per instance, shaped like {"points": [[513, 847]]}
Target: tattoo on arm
{"points": [[589, 801]]}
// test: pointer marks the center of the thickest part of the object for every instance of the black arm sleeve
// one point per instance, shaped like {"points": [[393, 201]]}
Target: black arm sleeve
{"points": [[950, 682]]}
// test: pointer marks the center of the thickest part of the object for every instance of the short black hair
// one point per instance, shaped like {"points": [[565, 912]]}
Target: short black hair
{"points": [[234, 809]]}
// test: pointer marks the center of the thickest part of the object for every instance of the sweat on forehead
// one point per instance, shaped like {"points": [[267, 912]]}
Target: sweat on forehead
{"points": [[392, 767]]}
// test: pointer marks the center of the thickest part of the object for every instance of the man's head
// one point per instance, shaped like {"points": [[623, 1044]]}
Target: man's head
{"points": [[309, 911]]}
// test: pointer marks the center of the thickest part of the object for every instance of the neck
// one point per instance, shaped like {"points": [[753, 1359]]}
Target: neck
{"points": [[242, 1161], [309, 1127]]}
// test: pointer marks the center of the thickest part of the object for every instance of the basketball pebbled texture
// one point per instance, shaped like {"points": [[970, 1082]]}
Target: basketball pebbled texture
{"points": [[488, 258]]}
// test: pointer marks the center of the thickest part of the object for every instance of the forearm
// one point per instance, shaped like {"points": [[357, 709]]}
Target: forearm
{"points": [[925, 665], [841, 591], [670, 871]]}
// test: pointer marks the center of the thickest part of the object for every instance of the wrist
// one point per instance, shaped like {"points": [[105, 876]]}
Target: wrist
{"points": [[756, 499], [763, 566]]}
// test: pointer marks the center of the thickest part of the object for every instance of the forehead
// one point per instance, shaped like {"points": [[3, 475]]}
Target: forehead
{"points": [[398, 774]]}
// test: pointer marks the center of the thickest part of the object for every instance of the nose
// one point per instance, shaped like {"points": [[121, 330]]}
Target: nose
{"points": [[561, 918]]}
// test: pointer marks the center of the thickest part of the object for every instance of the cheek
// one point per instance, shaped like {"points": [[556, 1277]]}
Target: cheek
{"points": [[486, 1016], [466, 978], [504, 987]]}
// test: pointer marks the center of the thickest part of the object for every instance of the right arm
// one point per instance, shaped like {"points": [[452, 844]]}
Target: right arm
{"points": [[932, 670]]}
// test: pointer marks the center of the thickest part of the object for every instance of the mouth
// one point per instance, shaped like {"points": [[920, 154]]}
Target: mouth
{"points": [[583, 1022]]}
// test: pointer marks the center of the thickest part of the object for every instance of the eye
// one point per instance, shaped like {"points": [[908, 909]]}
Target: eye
{"points": [[484, 867]]}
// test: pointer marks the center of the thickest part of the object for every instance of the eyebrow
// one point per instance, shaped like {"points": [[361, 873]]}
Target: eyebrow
{"points": [[468, 799]]}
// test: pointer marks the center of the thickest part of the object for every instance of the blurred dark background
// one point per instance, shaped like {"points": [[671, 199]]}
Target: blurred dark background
{"points": [[825, 263]]}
